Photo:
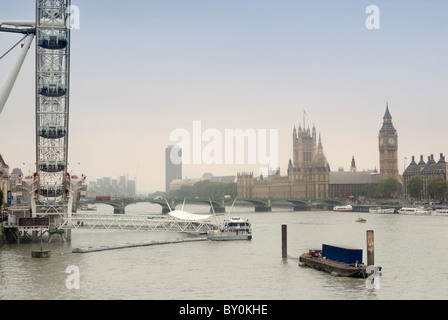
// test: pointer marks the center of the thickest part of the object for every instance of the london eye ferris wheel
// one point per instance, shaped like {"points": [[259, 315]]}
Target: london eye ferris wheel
{"points": [[52, 46]]}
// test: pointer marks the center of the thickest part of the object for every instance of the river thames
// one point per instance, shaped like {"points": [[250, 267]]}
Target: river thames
{"points": [[412, 251]]}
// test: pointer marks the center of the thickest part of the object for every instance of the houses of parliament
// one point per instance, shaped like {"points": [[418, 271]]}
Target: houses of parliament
{"points": [[309, 174]]}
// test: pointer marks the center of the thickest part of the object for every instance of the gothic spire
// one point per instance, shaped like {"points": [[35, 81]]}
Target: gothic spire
{"points": [[320, 149], [387, 120]]}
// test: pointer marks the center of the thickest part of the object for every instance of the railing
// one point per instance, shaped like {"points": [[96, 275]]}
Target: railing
{"points": [[127, 222]]}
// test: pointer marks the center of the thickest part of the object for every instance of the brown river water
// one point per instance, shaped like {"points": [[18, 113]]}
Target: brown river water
{"points": [[412, 251]]}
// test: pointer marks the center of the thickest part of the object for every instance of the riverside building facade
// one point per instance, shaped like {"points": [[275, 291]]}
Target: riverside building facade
{"points": [[4, 179], [427, 170], [309, 175]]}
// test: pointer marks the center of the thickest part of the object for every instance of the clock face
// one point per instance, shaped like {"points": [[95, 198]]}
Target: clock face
{"points": [[391, 140], [381, 141]]}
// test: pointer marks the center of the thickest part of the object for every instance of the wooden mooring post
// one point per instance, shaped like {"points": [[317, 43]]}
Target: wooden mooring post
{"points": [[284, 241], [370, 248]]}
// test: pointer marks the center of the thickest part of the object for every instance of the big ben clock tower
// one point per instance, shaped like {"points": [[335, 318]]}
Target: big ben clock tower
{"points": [[388, 147]]}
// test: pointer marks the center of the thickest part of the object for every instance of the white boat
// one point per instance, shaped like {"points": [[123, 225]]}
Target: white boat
{"points": [[440, 212], [424, 210], [347, 208], [416, 210], [381, 210], [230, 229], [407, 210]]}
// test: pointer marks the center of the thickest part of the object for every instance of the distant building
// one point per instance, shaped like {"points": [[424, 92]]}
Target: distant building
{"points": [[309, 174], [427, 170], [173, 165], [132, 188], [106, 186], [351, 183], [307, 177], [16, 176], [4, 179]]}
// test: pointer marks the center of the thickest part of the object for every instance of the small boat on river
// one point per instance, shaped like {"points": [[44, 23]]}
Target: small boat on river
{"points": [[407, 210], [347, 208], [440, 212], [231, 229], [416, 210], [381, 210], [41, 253], [424, 210]]}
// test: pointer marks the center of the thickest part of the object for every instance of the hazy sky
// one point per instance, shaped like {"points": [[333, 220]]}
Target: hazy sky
{"points": [[142, 69]]}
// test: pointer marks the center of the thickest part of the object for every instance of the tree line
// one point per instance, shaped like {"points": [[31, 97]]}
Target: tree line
{"points": [[203, 189], [436, 188]]}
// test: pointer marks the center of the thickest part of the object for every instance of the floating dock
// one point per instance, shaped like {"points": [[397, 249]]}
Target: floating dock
{"points": [[341, 260], [337, 260], [134, 245]]}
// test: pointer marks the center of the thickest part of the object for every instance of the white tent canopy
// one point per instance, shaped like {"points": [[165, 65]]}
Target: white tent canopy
{"points": [[183, 215]]}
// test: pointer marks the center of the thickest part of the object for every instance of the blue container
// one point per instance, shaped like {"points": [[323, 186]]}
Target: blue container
{"points": [[342, 254]]}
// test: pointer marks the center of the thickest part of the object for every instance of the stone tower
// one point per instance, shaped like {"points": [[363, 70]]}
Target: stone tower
{"points": [[388, 147], [353, 165]]}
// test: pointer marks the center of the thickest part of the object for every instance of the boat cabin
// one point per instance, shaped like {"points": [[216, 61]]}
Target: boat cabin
{"points": [[236, 223]]}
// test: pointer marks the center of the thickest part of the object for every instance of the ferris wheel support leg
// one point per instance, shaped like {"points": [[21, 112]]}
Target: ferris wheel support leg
{"points": [[33, 206], [69, 206], [6, 89]]}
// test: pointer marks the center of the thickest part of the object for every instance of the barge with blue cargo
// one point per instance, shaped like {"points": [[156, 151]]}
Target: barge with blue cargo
{"points": [[337, 260]]}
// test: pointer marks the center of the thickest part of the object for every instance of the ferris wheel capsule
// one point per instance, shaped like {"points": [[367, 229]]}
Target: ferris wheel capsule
{"points": [[49, 131], [52, 42], [52, 89], [52, 166], [51, 191]]}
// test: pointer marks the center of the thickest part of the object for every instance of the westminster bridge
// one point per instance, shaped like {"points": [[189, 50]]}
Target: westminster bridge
{"points": [[260, 204]]}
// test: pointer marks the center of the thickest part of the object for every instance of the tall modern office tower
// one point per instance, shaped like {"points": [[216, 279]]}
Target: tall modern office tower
{"points": [[173, 165]]}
